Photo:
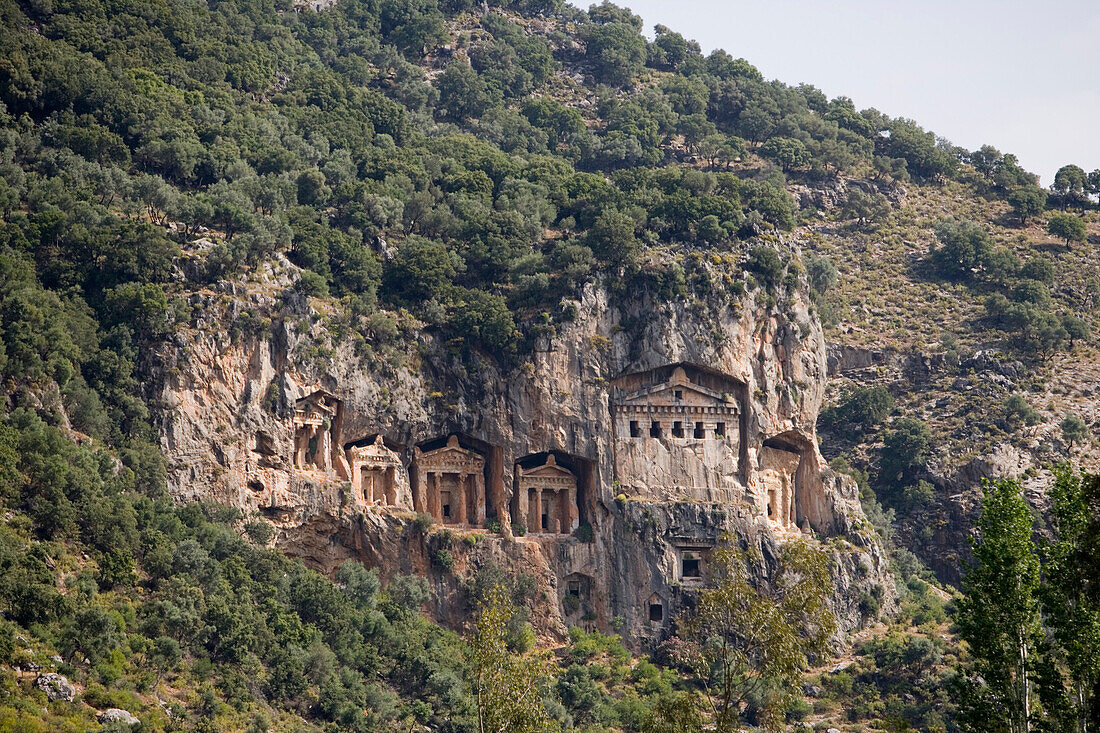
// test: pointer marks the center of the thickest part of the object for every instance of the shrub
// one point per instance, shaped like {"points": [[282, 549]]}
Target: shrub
{"points": [[1019, 413], [259, 531], [765, 262], [1068, 227], [903, 450], [443, 559], [311, 284], [863, 408]]}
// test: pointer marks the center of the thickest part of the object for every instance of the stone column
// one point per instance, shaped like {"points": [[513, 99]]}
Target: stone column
{"points": [[531, 523], [420, 489], [479, 498], [324, 447], [789, 508], [301, 442], [356, 472], [458, 502], [388, 486], [434, 497], [538, 511], [495, 459], [572, 515]]}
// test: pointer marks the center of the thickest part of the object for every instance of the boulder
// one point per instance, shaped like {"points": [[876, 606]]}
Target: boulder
{"points": [[56, 686], [117, 715]]}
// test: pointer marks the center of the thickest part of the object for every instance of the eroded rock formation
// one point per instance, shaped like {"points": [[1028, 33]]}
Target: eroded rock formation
{"points": [[625, 452]]}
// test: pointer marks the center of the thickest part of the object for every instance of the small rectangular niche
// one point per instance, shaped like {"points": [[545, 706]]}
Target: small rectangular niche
{"points": [[679, 394], [635, 429], [677, 429], [574, 588], [691, 568], [447, 510], [655, 429], [546, 521], [700, 431], [720, 430], [656, 612]]}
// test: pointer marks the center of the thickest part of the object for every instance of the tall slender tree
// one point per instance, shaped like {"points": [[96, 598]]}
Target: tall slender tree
{"points": [[999, 615], [1071, 598]]}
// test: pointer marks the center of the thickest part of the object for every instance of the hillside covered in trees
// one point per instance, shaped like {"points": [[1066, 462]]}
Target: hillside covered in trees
{"points": [[468, 168]]}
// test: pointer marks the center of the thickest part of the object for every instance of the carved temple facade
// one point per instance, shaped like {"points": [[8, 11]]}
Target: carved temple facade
{"points": [[317, 419], [450, 484], [546, 498], [378, 476], [678, 433]]}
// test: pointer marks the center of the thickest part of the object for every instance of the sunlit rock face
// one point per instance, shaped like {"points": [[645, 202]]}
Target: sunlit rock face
{"points": [[613, 457]]}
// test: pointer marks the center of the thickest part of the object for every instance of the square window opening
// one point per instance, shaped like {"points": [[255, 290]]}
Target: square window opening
{"points": [[677, 429], [691, 567], [679, 394], [700, 431], [656, 612], [655, 429], [635, 429], [720, 430]]}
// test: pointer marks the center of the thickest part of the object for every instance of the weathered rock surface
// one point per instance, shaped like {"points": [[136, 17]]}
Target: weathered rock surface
{"points": [[56, 686], [117, 715], [731, 391]]}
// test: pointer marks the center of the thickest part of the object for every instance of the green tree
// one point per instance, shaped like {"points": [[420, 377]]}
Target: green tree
{"points": [[904, 450], [463, 94], [787, 152], [484, 318], [1070, 598], [864, 407], [616, 51], [1019, 413], [612, 238], [964, 247], [1026, 202], [757, 637], [766, 263], [1070, 183], [998, 616], [1068, 227], [1075, 431], [506, 685], [865, 207], [421, 269]]}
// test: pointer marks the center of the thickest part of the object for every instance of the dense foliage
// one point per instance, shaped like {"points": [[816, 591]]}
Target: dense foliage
{"points": [[463, 167]]}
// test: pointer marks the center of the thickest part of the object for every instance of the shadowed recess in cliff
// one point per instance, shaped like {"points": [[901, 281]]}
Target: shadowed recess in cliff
{"points": [[552, 493]]}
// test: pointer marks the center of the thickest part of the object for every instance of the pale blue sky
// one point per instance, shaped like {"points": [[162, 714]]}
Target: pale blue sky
{"points": [[1022, 76]]}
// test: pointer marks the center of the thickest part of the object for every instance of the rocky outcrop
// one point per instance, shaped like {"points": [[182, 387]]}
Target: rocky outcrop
{"points": [[117, 715], [341, 449], [56, 686]]}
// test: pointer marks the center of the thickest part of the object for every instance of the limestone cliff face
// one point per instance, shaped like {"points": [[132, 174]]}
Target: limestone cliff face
{"points": [[660, 427]]}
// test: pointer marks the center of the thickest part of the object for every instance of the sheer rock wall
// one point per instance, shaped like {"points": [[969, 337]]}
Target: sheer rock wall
{"points": [[234, 426]]}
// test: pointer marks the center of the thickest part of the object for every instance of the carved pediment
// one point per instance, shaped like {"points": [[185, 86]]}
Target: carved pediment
{"points": [[678, 391], [374, 454], [550, 469], [548, 475], [315, 407], [451, 457]]}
